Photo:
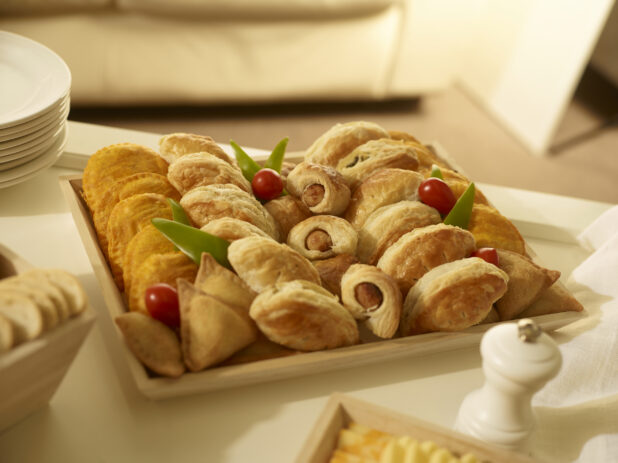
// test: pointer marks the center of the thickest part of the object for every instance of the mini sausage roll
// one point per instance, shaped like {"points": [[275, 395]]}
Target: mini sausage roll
{"points": [[207, 203], [232, 229], [374, 155], [287, 212], [422, 249], [323, 236], [200, 169], [331, 271], [304, 316], [341, 139], [322, 189], [176, 145], [261, 262], [372, 297], [527, 282], [452, 297], [387, 186], [387, 224]]}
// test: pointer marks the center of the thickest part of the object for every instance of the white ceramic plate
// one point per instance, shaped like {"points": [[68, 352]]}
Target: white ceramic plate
{"points": [[24, 172], [43, 139], [36, 135], [55, 113], [32, 78]]}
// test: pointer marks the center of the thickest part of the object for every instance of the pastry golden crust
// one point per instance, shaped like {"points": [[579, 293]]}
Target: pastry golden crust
{"points": [[114, 162], [452, 297], [176, 145], [388, 223], [142, 182], [382, 188], [373, 298], [261, 262], [159, 268], [459, 186], [152, 342], [127, 218], [206, 203], [331, 271], [323, 236], [374, 155], [211, 330], [422, 249], [321, 188], [287, 212], [527, 282], [200, 169], [340, 139], [491, 229], [232, 229], [553, 300], [304, 316], [222, 283]]}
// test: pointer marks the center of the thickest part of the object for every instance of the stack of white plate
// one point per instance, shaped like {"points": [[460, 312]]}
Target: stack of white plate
{"points": [[35, 88]]}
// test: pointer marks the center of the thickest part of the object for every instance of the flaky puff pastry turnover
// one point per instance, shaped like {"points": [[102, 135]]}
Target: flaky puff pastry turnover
{"points": [[321, 188], [262, 262], [452, 297], [304, 316], [204, 204], [200, 169], [341, 139], [373, 298], [323, 236], [175, 145]]}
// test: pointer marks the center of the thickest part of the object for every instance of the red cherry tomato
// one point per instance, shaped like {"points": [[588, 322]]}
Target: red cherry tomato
{"points": [[162, 304], [267, 184], [436, 193], [488, 255]]}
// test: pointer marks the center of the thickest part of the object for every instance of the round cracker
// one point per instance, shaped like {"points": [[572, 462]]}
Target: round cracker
{"points": [[23, 314], [7, 336]]}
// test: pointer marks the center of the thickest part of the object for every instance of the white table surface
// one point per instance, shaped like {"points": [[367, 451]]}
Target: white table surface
{"points": [[97, 415]]}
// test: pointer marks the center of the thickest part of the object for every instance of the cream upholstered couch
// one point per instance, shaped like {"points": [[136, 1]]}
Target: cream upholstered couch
{"points": [[244, 51]]}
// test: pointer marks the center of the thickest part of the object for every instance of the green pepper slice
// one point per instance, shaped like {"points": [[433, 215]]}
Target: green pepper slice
{"points": [[461, 211], [275, 160], [178, 213], [436, 172], [193, 241], [247, 164]]}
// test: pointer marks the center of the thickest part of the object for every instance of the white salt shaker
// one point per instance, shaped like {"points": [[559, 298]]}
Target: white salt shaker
{"points": [[518, 359]]}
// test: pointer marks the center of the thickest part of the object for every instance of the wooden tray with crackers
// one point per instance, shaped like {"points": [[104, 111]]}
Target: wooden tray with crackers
{"points": [[327, 275]]}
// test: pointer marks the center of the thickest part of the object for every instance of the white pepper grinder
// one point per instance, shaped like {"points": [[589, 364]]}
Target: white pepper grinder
{"points": [[518, 359]]}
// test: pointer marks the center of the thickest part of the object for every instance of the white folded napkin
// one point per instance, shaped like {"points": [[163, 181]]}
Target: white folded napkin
{"points": [[577, 411]]}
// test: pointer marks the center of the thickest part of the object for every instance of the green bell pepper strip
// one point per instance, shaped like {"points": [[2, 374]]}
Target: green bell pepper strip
{"points": [[178, 213], [247, 164], [461, 211], [436, 172], [275, 160], [193, 241]]}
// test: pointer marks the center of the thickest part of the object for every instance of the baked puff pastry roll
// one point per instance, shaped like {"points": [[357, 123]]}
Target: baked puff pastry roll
{"points": [[232, 229], [422, 249], [373, 298], [200, 169], [323, 236], [304, 316], [287, 212], [527, 282], [389, 223], [387, 186], [374, 155], [207, 203], [261, 262], [176, 145], [332, 270], [452, 297], [322, 189], [341, 139]]}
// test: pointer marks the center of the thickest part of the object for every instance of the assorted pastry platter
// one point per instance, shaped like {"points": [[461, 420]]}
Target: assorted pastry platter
{"points": [[307, 282]]}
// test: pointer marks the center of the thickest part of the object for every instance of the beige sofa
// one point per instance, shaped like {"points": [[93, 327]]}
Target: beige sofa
{"points": [[243, 51]]}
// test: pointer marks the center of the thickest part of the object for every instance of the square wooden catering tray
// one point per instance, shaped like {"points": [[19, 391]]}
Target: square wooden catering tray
{"points": [[271, 369], [341, 410]]}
